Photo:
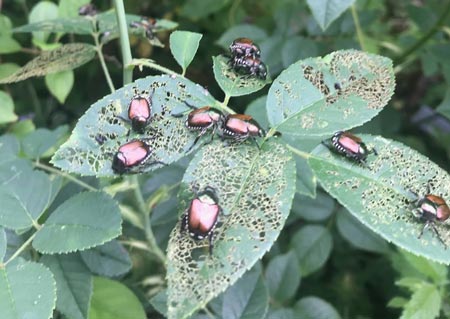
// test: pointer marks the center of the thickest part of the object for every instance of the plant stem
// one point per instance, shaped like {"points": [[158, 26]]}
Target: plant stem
{"points": [[359, 31], [65, 175], [298, 152], [150, 64], [224, 104], [425, 37], [99, 47], [124, 41], [21, 249], [144, 210]]}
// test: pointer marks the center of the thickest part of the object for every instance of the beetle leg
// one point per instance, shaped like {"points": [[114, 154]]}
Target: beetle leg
{"points": [[202, 132], [211, 242], [438, 235], [423, 229]]}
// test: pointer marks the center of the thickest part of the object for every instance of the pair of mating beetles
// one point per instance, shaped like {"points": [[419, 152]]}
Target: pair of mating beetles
{"points": [[246, 58], [429, 208]]}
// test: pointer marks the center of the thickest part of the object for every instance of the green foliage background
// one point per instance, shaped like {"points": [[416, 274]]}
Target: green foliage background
{"points": [[63, 234]]}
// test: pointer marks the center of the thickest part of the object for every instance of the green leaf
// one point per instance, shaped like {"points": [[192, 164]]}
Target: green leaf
{"points": [[8, 45], [170, 139], [67, 57], [359, 235], [22, 128], [378, 195], [257, 109], [397, 302], [27, 290], [283, 277], [312, 245], [76, 25], [2, 244], [60, 84], [326, 11], [319, 96], [7, 114], [42, 11], [83, 221], [314, 209], [306, 181], [315, 308], [111, 299], [5, 25], [444, 106], [184, 45], [412, 283], [437, 272], [73, 284], [231, 82], [425, 303], [297, 48], [6, 69], [9, 148], [238, 31], [159, 302], [38, 142], [283, 313], [255, 190], [196, 9], [109, 259], [25, 197], [248, 298]]}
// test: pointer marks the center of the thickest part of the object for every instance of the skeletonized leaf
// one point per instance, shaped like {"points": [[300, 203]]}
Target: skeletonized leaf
{"points": [[233, 83], [73, 283], [168, 137], [66, 57], [26, 288], [255, 190], [379, 195], [83, 221], [319, 96]]}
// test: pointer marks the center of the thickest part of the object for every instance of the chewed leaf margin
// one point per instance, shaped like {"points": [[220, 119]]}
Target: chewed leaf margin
{"points": [[380, 196], [319, 96], [100, 131], [255, 190]]}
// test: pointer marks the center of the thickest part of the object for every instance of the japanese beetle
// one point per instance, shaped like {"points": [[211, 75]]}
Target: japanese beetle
{"points": [[201, 217], [431, 209], [239, 127], [87, 10], [242, 47], [250, 66], [349, 145], [131, 155], [140, 112], [201, 119], [148, 24]]}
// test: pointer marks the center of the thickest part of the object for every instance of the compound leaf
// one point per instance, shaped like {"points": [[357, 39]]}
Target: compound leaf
{"points": [[26, 288], [379, 196], [233, 83], [83, 221], [255, 189], [319, 96], [100, 131], [425, 303], [73, 284], [66, 57]]}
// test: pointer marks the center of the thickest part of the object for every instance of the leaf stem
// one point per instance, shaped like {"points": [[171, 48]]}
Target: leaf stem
{"points": [[99, 47], [144, 210], [150, 64], [21, 248], [298, 152], [359, 31], [65, 175], [425, 37], [224, 104], [124, 41]]}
